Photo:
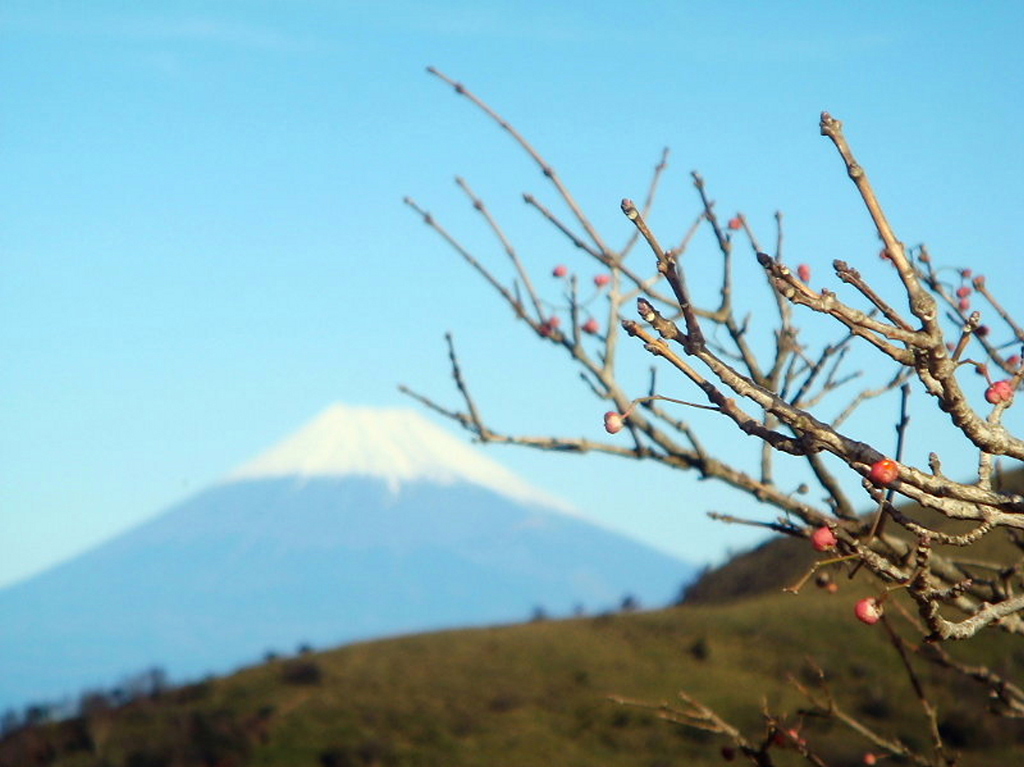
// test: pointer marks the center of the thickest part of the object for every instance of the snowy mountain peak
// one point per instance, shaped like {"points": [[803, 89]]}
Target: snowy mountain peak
{"points": [[397, 445]]}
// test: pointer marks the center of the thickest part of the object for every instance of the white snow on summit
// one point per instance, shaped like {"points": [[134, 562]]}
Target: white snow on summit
{"points": [[397, 445]]}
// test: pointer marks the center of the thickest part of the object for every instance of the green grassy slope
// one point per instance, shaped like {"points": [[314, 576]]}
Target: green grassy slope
{"points": [[538, 694]]}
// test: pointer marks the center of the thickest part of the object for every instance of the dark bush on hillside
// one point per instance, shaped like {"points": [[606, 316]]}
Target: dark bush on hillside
{"points": [[302, 672]]}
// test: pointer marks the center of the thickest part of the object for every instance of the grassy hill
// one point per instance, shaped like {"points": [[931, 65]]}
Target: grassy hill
{"points": [[538, 694]]}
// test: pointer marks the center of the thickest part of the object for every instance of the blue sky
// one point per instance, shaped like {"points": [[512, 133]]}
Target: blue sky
{"points": [[204, 245]]}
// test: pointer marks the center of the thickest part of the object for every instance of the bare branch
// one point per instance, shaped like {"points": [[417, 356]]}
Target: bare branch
{"points": [[548, 171], [773, 391], [506, 244]]}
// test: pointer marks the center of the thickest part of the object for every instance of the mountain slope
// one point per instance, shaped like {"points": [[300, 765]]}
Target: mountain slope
{"points": [[340, 551], [537, 694]]}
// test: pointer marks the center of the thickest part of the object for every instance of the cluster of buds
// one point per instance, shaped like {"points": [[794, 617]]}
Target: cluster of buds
{"points": [[591, 326], [550, 325], [963, 294], [968, 285], [884, 472], [868, 610], [561, 271]]}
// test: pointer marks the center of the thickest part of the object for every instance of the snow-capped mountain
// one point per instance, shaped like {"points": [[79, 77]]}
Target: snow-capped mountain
{"points": [[364, 523], [396, 445]]}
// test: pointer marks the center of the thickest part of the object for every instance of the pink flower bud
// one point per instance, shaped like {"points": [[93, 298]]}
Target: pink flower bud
{"points": [[602, 279], [884, 472], [824, 539], [560, 271], [804, 272], [591, 326], [613, 422], [963, 291], [999, 392], [868, 610]]}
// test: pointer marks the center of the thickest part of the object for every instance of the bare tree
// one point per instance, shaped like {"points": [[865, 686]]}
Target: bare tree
{"points": [[783, 394]]}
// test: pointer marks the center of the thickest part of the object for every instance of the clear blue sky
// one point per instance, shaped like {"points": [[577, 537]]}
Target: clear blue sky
{"points": [[203, 242]]}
